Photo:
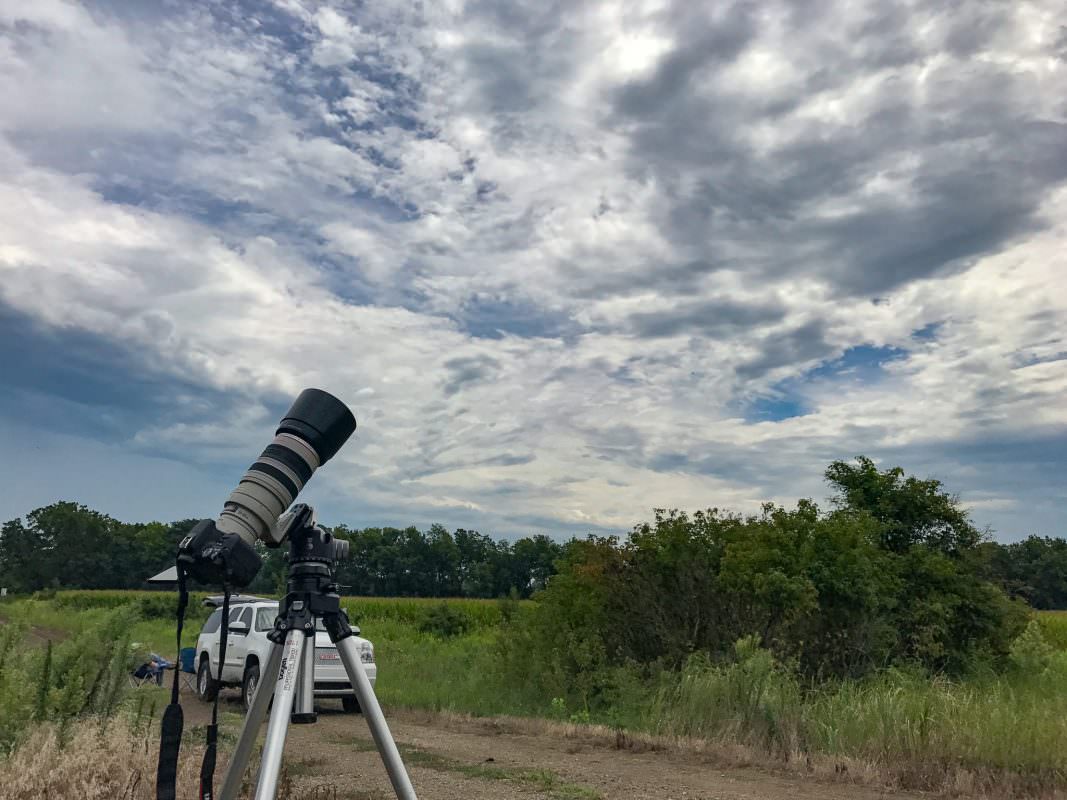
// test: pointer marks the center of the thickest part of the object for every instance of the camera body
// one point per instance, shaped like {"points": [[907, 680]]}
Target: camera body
{"points": [[211, 557]]}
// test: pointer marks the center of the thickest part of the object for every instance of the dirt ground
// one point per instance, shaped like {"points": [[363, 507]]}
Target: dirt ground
{"points": [[452, 758]]}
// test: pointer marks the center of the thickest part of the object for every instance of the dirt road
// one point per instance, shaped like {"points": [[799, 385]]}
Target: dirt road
{"points": [[477, 759]]}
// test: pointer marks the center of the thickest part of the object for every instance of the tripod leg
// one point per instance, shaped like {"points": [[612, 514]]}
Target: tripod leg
{"points": [[304, 704], [250, 730], [284, 692], [372, 712]]}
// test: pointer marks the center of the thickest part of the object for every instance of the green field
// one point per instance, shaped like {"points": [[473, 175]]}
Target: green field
{"points": [[997, 730]]}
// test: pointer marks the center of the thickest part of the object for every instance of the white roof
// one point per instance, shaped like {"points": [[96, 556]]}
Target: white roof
{"points": [[169, 575]]}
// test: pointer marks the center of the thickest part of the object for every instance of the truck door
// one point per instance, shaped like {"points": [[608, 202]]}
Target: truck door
{"points": [[237, 645]]}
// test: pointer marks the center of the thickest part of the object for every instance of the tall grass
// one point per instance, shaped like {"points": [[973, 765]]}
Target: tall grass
{"points": [[117, 759], [161, 605], [83, 675], [917, 728]]}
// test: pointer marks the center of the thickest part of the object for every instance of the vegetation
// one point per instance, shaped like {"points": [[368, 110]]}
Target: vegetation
{"points": [[877, 634], [62, 681], [834, 595]]}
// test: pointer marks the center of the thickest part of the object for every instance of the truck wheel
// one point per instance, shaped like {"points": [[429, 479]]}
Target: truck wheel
{"points": [[350, 704], [206, 686], [249, 685]]}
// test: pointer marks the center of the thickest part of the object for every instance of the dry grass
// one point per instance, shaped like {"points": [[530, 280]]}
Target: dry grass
{"points": [[116, 760], [113, 761]]}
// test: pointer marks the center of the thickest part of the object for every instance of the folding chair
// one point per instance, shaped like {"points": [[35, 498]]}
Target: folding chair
{"points": [[141, 676], [187, 667]]}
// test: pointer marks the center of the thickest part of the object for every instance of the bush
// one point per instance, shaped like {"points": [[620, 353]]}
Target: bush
{"points": [[1030, 653], [445, 621], [820, 591]]}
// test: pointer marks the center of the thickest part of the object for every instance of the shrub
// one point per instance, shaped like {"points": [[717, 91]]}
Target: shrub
{"points": [[445, 621], [819, 590], [1030, 653]]}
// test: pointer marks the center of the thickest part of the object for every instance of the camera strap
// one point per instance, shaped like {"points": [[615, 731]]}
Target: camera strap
{"points": [[173, 719], [207, 768], [170, 739]]}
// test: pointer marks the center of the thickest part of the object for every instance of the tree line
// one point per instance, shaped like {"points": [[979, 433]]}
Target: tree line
{"points": [[67, 545], [71, 546]]}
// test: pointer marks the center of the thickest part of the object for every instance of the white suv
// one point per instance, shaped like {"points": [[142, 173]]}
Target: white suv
{"points": [[247, 646]]}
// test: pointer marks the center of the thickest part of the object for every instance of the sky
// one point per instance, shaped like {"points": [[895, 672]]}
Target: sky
{"points": [[567, 262]]}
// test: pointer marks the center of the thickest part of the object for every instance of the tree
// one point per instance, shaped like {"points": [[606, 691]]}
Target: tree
{"points": [[1034, 569], [909, 510], [21, 564]]}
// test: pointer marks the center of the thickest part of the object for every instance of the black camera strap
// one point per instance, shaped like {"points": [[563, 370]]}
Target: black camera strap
{"points": [[207, 769], [170, 739], [173, 718]]}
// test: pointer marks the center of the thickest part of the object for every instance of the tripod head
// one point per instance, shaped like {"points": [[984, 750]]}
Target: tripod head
{"points": [[310, 588], [308, 541]]}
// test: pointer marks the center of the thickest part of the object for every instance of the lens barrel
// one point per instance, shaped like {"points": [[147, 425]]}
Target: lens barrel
{"points": [[309, 435]]}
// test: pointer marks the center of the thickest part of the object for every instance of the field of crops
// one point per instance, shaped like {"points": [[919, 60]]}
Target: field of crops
{"points": [[411, 610]]}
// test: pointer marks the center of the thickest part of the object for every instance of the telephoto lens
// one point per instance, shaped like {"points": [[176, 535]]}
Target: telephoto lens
{"points": [[308, 436]]}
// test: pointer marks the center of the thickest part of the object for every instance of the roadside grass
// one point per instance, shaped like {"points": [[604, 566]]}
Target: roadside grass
{"points": [[1004, 733]]}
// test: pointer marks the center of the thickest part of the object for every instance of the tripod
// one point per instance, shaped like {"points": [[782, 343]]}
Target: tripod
{"points": [[311, 595]]}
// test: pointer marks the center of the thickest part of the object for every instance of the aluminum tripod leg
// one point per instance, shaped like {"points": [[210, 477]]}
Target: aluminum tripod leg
{"points": [[284, 693], [372, 712], [250, 730]]}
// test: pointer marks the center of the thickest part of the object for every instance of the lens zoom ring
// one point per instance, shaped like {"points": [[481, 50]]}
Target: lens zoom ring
{"points": [[298, 465], [278, 475]]}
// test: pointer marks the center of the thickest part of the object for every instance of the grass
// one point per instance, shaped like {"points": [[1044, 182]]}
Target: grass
{"points": [[96, 762]]}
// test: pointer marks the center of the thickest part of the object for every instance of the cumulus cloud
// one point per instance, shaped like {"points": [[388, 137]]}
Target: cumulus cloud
{"points": [[554, 254]]}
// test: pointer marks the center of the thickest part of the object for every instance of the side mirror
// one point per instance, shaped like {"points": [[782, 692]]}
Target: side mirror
{"points": [[239, 628]]}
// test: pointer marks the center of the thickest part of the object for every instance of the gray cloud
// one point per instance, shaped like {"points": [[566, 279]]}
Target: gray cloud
{"points": [[800, 345], [711, 317], [973, 158], [466, 371]]}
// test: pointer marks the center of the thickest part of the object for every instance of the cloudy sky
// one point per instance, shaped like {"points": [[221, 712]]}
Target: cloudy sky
{"points": [[566, 261]]}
